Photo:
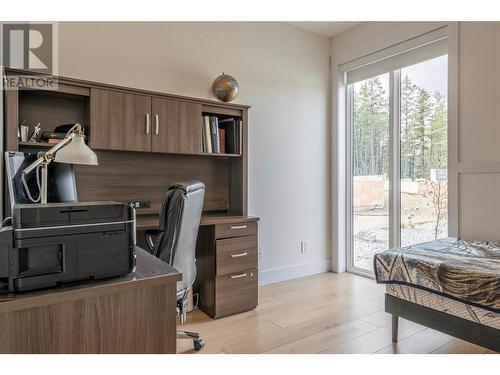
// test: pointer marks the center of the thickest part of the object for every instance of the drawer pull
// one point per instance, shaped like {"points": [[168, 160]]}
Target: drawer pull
{"points": [[239, 255], [157, 124], [148, 122], [238, 227], [239, 276]]}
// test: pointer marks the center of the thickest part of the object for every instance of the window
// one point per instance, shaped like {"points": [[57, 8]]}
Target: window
{"points": [[424, 151], [370, 168], [397, 149]]}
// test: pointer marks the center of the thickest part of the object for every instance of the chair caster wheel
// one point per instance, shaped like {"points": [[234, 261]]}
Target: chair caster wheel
{"points": [[198, 344]]}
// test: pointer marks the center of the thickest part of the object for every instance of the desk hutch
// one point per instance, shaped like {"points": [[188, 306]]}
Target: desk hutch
{"points": [[145, 141]]}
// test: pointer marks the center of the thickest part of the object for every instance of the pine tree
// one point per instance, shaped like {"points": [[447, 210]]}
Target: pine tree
{"points": [[408, 138], [439, 132], [421, 125], [370, 133]]}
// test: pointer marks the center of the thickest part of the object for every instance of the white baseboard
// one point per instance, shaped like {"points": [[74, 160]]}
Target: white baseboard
{"points": [[293, 272]]}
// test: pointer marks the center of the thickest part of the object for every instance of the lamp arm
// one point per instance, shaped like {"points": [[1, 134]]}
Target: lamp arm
{"points": [[33, 165], [47, 156], [77, 125], [60, 145]]}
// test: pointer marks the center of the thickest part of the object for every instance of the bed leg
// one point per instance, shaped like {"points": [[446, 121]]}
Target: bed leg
{"points": [[395, 322]]}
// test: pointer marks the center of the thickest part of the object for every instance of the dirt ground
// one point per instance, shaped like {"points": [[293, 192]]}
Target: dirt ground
{"points": [[371, 227]]}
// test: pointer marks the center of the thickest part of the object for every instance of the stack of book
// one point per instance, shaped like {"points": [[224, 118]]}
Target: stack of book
{"points": [[221, 136], [52, 137]]}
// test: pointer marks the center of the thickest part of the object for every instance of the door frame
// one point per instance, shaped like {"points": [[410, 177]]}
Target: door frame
{"points": [[394, 168], [342, 52]]}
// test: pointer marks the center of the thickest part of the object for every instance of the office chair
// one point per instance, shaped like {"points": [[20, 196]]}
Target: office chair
{"points": [[175, 241]]}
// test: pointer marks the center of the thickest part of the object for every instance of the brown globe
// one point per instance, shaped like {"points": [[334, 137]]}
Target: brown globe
{"points": [[225, 88]]}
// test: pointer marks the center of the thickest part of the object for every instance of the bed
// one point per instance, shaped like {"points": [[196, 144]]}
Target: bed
{"points": [[451, 285]]}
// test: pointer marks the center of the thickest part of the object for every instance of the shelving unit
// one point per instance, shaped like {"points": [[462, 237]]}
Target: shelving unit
{"points": [[144, 140]]}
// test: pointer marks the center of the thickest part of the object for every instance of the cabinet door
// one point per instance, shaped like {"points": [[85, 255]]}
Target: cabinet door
{"points": [[176, 126], [120, 121]]}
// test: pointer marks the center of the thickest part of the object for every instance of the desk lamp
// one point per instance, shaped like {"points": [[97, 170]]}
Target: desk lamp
{"points": [[72, 149]]}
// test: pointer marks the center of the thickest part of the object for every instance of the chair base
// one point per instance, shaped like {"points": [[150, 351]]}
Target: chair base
{"points": [[187, 335]]}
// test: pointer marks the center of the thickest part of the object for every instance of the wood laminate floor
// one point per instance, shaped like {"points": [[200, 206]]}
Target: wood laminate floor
{"points": [[325, 313]]}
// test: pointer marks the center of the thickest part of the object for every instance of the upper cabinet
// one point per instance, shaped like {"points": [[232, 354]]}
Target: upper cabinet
{"points": [[176, 126], [131, 122], [120, 121]]}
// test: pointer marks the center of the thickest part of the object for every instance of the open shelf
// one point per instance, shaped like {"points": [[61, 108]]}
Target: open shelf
{"points": [[36, 145], [221, 155], [51, 110]]}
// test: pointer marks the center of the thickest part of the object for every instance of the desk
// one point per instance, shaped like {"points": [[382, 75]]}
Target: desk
{"points": [[151, 221], [226, 262], [135, 313]]}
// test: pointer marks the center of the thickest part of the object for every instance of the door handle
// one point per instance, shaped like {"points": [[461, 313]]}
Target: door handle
{"points": [[239, 276], [148, 123], [238, 227], [157, 124], [239, 255]]}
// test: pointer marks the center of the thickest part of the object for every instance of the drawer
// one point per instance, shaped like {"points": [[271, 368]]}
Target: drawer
{"points": [[248, 228], [236, 292], [236, 254]]}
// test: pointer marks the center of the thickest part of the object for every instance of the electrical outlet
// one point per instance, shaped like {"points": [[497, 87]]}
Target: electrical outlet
{"points": [[261, 253], [304, 248], [140, 204]]}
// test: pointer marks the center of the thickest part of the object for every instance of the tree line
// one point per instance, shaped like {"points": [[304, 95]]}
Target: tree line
{"points": [[423, 130]]}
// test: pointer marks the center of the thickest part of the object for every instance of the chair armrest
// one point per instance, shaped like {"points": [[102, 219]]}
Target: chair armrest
{"points": [[150, 237]]}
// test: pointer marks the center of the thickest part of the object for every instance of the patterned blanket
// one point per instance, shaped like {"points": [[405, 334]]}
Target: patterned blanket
{"points": [[467, 271]]}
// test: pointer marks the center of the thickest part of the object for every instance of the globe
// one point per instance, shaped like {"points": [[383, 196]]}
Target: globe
{"points": [[225, 88]]}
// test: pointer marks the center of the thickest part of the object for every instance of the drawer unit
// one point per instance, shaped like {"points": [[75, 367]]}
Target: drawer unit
{"points": [[226, 263], [236, 254], [236, 292], [236, 229]]}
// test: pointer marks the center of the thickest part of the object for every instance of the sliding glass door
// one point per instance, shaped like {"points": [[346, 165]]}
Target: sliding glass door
{"points": [[424, 151], [369, 101], [397, 160]]}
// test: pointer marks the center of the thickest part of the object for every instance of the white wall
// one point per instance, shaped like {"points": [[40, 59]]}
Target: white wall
{"points": [[283, 74], [479, 130]]}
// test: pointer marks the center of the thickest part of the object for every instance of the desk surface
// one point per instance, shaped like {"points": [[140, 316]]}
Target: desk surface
{"points": [[150, 221], [150, 271]]}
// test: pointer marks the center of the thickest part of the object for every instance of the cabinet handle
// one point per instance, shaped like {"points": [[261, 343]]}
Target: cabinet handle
{"points": [[157, 124], [238, 227], [239, 255], [239, 276], [148, 123]]}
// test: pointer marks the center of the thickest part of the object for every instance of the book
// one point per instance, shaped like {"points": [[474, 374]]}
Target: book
{"points": [[203, 137], [239, 140], [54, 140], [222, 140], [232, 134], [53, 135], [214, 134], [206, 132]]}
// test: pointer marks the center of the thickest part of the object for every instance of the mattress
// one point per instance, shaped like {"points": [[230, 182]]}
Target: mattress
{"points": [[444, 304], [461, 270]]}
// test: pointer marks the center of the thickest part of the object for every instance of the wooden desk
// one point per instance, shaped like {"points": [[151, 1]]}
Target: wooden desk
{"points": [[135, 313], [226, 262], [151, 221]]}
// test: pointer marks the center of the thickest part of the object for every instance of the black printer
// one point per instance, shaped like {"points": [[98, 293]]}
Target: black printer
{"points": [[50, 244]]}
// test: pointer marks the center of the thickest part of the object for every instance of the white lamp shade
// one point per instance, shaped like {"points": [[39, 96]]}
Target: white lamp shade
{"points": [[76, 152]]}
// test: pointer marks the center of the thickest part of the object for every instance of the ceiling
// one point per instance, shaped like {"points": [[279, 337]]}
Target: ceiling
{"points": [[328, 29]]}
